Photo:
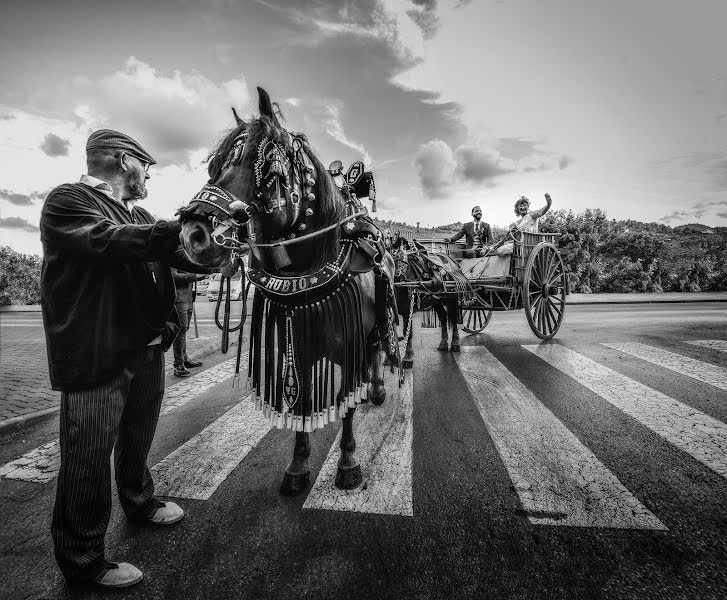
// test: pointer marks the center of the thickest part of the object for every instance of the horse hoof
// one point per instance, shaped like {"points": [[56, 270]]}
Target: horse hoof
{"points": [[442, 346], [407, 363], [294, 483], [378, 400], [454, 348], [348, 478]]}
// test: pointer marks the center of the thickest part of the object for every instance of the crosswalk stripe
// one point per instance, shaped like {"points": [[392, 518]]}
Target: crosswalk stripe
{"points": [[197, 468], [558, 479], [384, 436], [720, 345], [41, 464], [697, 434], [696, 369]]}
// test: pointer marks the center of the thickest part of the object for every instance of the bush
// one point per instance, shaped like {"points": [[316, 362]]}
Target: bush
{"points": [[19, 277]]}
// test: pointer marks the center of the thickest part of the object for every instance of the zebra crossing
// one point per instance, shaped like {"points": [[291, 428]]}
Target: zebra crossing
{"points": [[558, 479]]}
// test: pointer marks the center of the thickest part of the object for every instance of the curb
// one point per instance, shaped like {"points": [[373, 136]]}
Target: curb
{"points": [[635, 301], [16, 422]]}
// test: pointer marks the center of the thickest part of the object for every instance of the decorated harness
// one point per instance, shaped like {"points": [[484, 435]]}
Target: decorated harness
{"points": [[303, 306]]}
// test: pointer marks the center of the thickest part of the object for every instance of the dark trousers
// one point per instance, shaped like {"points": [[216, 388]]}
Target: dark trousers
{"points": [[120, 414], [184, 311]]}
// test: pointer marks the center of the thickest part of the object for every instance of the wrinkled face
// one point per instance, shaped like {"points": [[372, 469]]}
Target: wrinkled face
{"points": [[521, 208]]}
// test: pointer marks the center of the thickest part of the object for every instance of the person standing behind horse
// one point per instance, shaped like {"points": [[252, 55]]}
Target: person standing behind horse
{"points": [[477, 235], [107, 298], [184, 282]]}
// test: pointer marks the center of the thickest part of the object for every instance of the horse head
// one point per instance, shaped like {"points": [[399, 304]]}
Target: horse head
{"points": [[273, 189]]}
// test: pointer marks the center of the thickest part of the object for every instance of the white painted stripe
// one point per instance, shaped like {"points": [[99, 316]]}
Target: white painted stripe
{"points": [[384, 436], [197, 468], [697, 434], [180, 393], [696, 369], [720, 345], [39, 324], [42, 463], [559, 480], [38, 466]]}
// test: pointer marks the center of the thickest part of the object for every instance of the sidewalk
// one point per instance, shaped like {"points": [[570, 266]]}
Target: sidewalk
{"points": [[572, 299], [25, 392], [647, 297]]}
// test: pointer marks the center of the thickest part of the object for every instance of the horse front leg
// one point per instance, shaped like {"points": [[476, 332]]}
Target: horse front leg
{"points": [[348, 475], [442, 314], [453, 317], [297, 473], [376, 391]]}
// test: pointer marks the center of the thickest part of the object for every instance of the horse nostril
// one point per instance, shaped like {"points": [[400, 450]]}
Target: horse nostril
{"points": [[198, 238]]}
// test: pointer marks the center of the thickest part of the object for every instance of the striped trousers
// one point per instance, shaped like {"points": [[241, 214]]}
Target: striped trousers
{"points": [[120, 414]]}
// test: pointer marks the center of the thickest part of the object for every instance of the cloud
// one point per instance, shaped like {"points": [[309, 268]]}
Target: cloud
{"points": [[435, 165], [697, 211], [564, 162], [17, 223], [172, 115], [54, 145], [330, 113], [399, 25], [480, 164], [21, 199]]}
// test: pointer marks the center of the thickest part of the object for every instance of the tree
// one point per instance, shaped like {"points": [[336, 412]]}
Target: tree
{"points": [[21, 275]]}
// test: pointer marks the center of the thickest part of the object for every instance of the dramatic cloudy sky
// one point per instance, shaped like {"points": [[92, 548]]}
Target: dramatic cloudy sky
{"points": [[618, 105]]}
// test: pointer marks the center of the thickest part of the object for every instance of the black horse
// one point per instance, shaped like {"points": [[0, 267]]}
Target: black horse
{"points": [[420, 286]]}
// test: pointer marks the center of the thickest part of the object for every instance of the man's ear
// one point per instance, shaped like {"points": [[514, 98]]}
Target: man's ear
{"points": [[123, 161]]}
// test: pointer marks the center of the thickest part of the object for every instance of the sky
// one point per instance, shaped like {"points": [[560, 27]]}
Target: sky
{"points": [[618, 105]]}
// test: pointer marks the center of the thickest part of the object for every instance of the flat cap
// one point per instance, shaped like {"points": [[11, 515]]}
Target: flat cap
{"points": [[115, 140]]}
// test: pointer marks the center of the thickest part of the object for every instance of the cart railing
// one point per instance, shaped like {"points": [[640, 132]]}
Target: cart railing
{"points": [[523, 246]]}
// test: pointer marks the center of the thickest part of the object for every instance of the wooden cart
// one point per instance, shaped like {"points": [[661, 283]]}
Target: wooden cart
{"points": [[533, 278]]}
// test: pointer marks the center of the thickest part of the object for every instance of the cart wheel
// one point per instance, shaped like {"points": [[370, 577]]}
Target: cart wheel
{"points": [[476, 316], [544, 290]]}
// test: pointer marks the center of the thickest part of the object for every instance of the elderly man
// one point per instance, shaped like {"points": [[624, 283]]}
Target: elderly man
{"points": [[107, 297], [477, 235]]}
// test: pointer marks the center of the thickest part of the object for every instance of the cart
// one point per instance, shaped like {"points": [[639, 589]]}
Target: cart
{"points": [[533, 278]]}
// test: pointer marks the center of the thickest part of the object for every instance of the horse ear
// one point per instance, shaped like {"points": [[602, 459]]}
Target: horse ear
{"points": [[237, 117], [265, 105]]}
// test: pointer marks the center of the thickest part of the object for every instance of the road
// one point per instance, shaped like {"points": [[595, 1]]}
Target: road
{"points": [[592, 466]]}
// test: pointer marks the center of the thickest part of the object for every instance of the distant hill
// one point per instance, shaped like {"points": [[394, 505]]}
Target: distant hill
{"points": [[693, 228]]}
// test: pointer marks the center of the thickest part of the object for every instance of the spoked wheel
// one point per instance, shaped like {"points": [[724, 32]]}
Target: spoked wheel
{"points": [[544, 289], [476, 316]]}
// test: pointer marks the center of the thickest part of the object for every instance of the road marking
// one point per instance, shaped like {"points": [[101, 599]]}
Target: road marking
{"points": [[559, 480], [696, 369], [197, 468], [720, 345], [384, 436], [697, 434], [41, 464]]}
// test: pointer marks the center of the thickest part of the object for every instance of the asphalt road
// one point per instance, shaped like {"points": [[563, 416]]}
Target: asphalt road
{"points": [[570, 469]]}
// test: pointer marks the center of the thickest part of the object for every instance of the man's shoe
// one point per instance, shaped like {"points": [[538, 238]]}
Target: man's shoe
{"points": [[182, 371], [166, 513], [192, 364], [118, 575]]}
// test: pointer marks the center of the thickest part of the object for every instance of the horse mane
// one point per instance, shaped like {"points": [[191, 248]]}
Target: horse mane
{"points": [[217, 155]]}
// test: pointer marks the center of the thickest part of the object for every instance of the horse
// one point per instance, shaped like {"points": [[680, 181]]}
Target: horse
{"points": [[323, 311], [420, 286]]}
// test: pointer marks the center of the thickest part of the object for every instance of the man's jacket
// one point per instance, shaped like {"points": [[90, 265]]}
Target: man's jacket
{"points": [[468, 232], [106, 285]]}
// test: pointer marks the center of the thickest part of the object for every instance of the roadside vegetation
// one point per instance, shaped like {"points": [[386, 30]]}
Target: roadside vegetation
{"points": [[600, 255]]}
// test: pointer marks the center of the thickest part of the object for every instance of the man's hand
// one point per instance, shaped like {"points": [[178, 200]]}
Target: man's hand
{"points": [[547, 198]]}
